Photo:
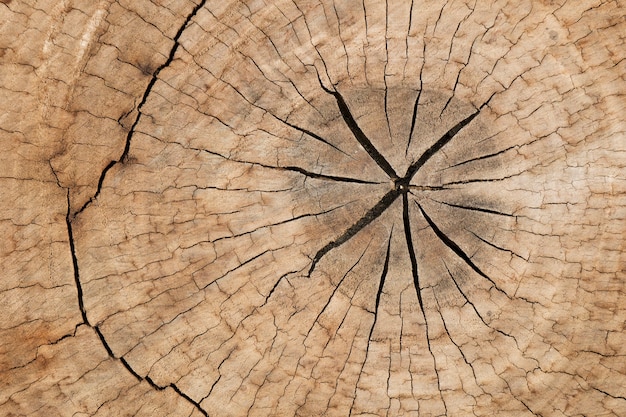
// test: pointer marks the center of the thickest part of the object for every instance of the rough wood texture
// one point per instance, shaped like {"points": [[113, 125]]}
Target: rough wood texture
{"points": [[313, 208]]}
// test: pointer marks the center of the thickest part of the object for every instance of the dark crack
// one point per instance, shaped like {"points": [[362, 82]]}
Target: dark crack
{"points": [[411, 249], [381, 284], [319, 315], [312, 134], [144, 98], [478, 209], [479, 158], [413, 119], [359, 135], [444, 140], [402, 187], [366, 219], [457, 249], [69, 219], [300, 170], [70, 235]]}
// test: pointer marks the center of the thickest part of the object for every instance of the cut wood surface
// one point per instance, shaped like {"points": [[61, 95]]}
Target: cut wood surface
{"points": [[364, 208]]}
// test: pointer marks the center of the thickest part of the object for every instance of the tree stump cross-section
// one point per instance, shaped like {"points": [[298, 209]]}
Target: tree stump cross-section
{"points": [[313, 208]]}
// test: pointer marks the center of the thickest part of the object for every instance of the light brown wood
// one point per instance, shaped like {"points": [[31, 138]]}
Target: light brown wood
{"points": [[311, 208]]}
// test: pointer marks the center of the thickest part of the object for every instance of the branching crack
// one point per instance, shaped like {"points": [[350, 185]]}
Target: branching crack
{"points": [[468, 301], [402, 187]]}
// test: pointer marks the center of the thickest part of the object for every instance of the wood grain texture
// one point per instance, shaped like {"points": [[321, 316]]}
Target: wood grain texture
{"points": [[311, 208]]}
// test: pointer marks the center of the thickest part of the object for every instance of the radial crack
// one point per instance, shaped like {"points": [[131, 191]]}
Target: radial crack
{"points": [[299, 170], [278, 223], [367, 218], [471, 208], [445, 326], [411, 249], [358, 133], [381, 284], [325, 177], [312, 134], [456, 248], [493, 245], [413, 119], [281, 120], [375, 313], [468, 301], [479, 158], [473, 180], [447, 137], [337, 288]]}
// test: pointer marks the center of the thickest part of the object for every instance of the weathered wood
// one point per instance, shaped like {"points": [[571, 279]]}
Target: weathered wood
{"points": [[313, 208]]}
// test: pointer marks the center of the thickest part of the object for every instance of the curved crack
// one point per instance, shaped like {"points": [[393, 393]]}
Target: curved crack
{"points": [[69, 218], [144, 98]]}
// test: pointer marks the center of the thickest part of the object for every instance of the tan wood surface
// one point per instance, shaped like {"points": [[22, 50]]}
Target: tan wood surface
{"points": [[365, 208]]}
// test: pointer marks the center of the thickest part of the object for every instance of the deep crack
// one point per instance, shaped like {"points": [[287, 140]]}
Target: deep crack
{"points": [[144, 98], [69, 218], [359, 135], [401, 186], [366, 219]]}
